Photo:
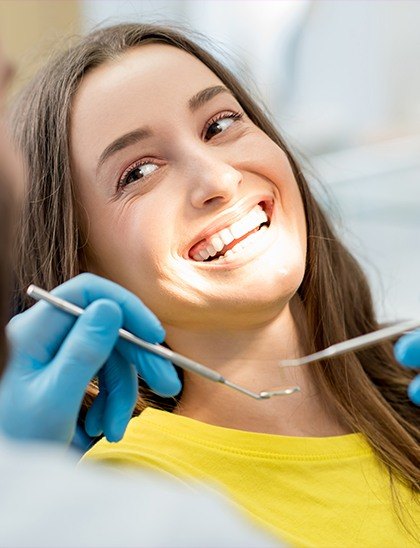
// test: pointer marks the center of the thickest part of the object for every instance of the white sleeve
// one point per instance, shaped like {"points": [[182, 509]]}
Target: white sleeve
{"points": [[45, 501]]}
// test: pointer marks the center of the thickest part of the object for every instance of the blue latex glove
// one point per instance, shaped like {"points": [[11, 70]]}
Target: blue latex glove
{"points": [[407, 352], [55, 355]]}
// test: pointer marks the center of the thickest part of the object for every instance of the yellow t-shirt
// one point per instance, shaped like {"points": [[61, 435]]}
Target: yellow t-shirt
{"points": [[308, 491]]}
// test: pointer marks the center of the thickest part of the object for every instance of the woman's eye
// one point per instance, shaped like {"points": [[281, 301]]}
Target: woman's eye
{"points": [[136, 173], [221, 124]]}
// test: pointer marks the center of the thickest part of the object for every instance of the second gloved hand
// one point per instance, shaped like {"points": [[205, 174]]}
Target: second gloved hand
{"points": [[55, 355], [407, 352]]}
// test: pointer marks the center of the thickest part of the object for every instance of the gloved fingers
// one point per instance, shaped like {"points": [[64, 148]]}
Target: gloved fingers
{"points": [[40, 331], [86, 288], [120, 378], [407, 349], [414, 390], [81, 440], [159, 374], [113, 407], [86, 348]]}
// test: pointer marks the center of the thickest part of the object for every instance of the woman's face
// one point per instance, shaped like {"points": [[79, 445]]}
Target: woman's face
{"points": [[168, 169]]}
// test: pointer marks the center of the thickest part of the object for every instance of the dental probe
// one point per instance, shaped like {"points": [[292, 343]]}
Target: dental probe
{"points": [[363, 341], [184, 363]]}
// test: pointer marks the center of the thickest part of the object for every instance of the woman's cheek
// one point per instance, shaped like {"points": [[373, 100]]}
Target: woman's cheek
{"points": [[266, 158]]}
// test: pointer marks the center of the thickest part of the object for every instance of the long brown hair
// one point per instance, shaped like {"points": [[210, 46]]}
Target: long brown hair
{"points": [[6, 232], [368, 388]]}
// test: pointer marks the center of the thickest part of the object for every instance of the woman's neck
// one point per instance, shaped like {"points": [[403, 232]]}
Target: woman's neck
{"points": [[250, 358]]}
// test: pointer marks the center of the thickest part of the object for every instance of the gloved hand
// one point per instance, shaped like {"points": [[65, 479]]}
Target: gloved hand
{"points": [[407, 352], [54, 355]]}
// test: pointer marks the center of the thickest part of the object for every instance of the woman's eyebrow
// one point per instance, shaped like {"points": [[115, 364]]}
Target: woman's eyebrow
{"points": [[122, 142], [133, 137], [205, 95]]}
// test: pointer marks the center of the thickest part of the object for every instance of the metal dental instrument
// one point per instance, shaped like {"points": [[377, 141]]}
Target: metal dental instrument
{"points": [[184, 363], [363, 341]]}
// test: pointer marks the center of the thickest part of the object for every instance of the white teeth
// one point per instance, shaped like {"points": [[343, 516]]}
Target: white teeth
{"points": [[226, 236], [251, 238], [252, 220], [204, 254], [240, 227], [217, 243], [211, 250], [238, 247], [261, 216]]}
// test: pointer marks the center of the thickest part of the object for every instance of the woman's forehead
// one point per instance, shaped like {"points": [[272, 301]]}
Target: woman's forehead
{"points": [[148, 69]]}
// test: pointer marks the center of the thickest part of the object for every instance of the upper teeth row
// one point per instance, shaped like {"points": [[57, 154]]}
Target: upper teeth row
{"points": [[218, 241]]}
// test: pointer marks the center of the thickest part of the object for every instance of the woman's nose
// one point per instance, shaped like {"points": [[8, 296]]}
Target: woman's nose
{"points": [[212, 180]]}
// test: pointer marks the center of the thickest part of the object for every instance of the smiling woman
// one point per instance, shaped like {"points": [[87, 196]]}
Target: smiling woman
{"points": [[152, 166]]}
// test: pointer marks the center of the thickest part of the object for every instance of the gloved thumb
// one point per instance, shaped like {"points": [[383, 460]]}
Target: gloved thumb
{"points": [[407, 350], [88, 344]]}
